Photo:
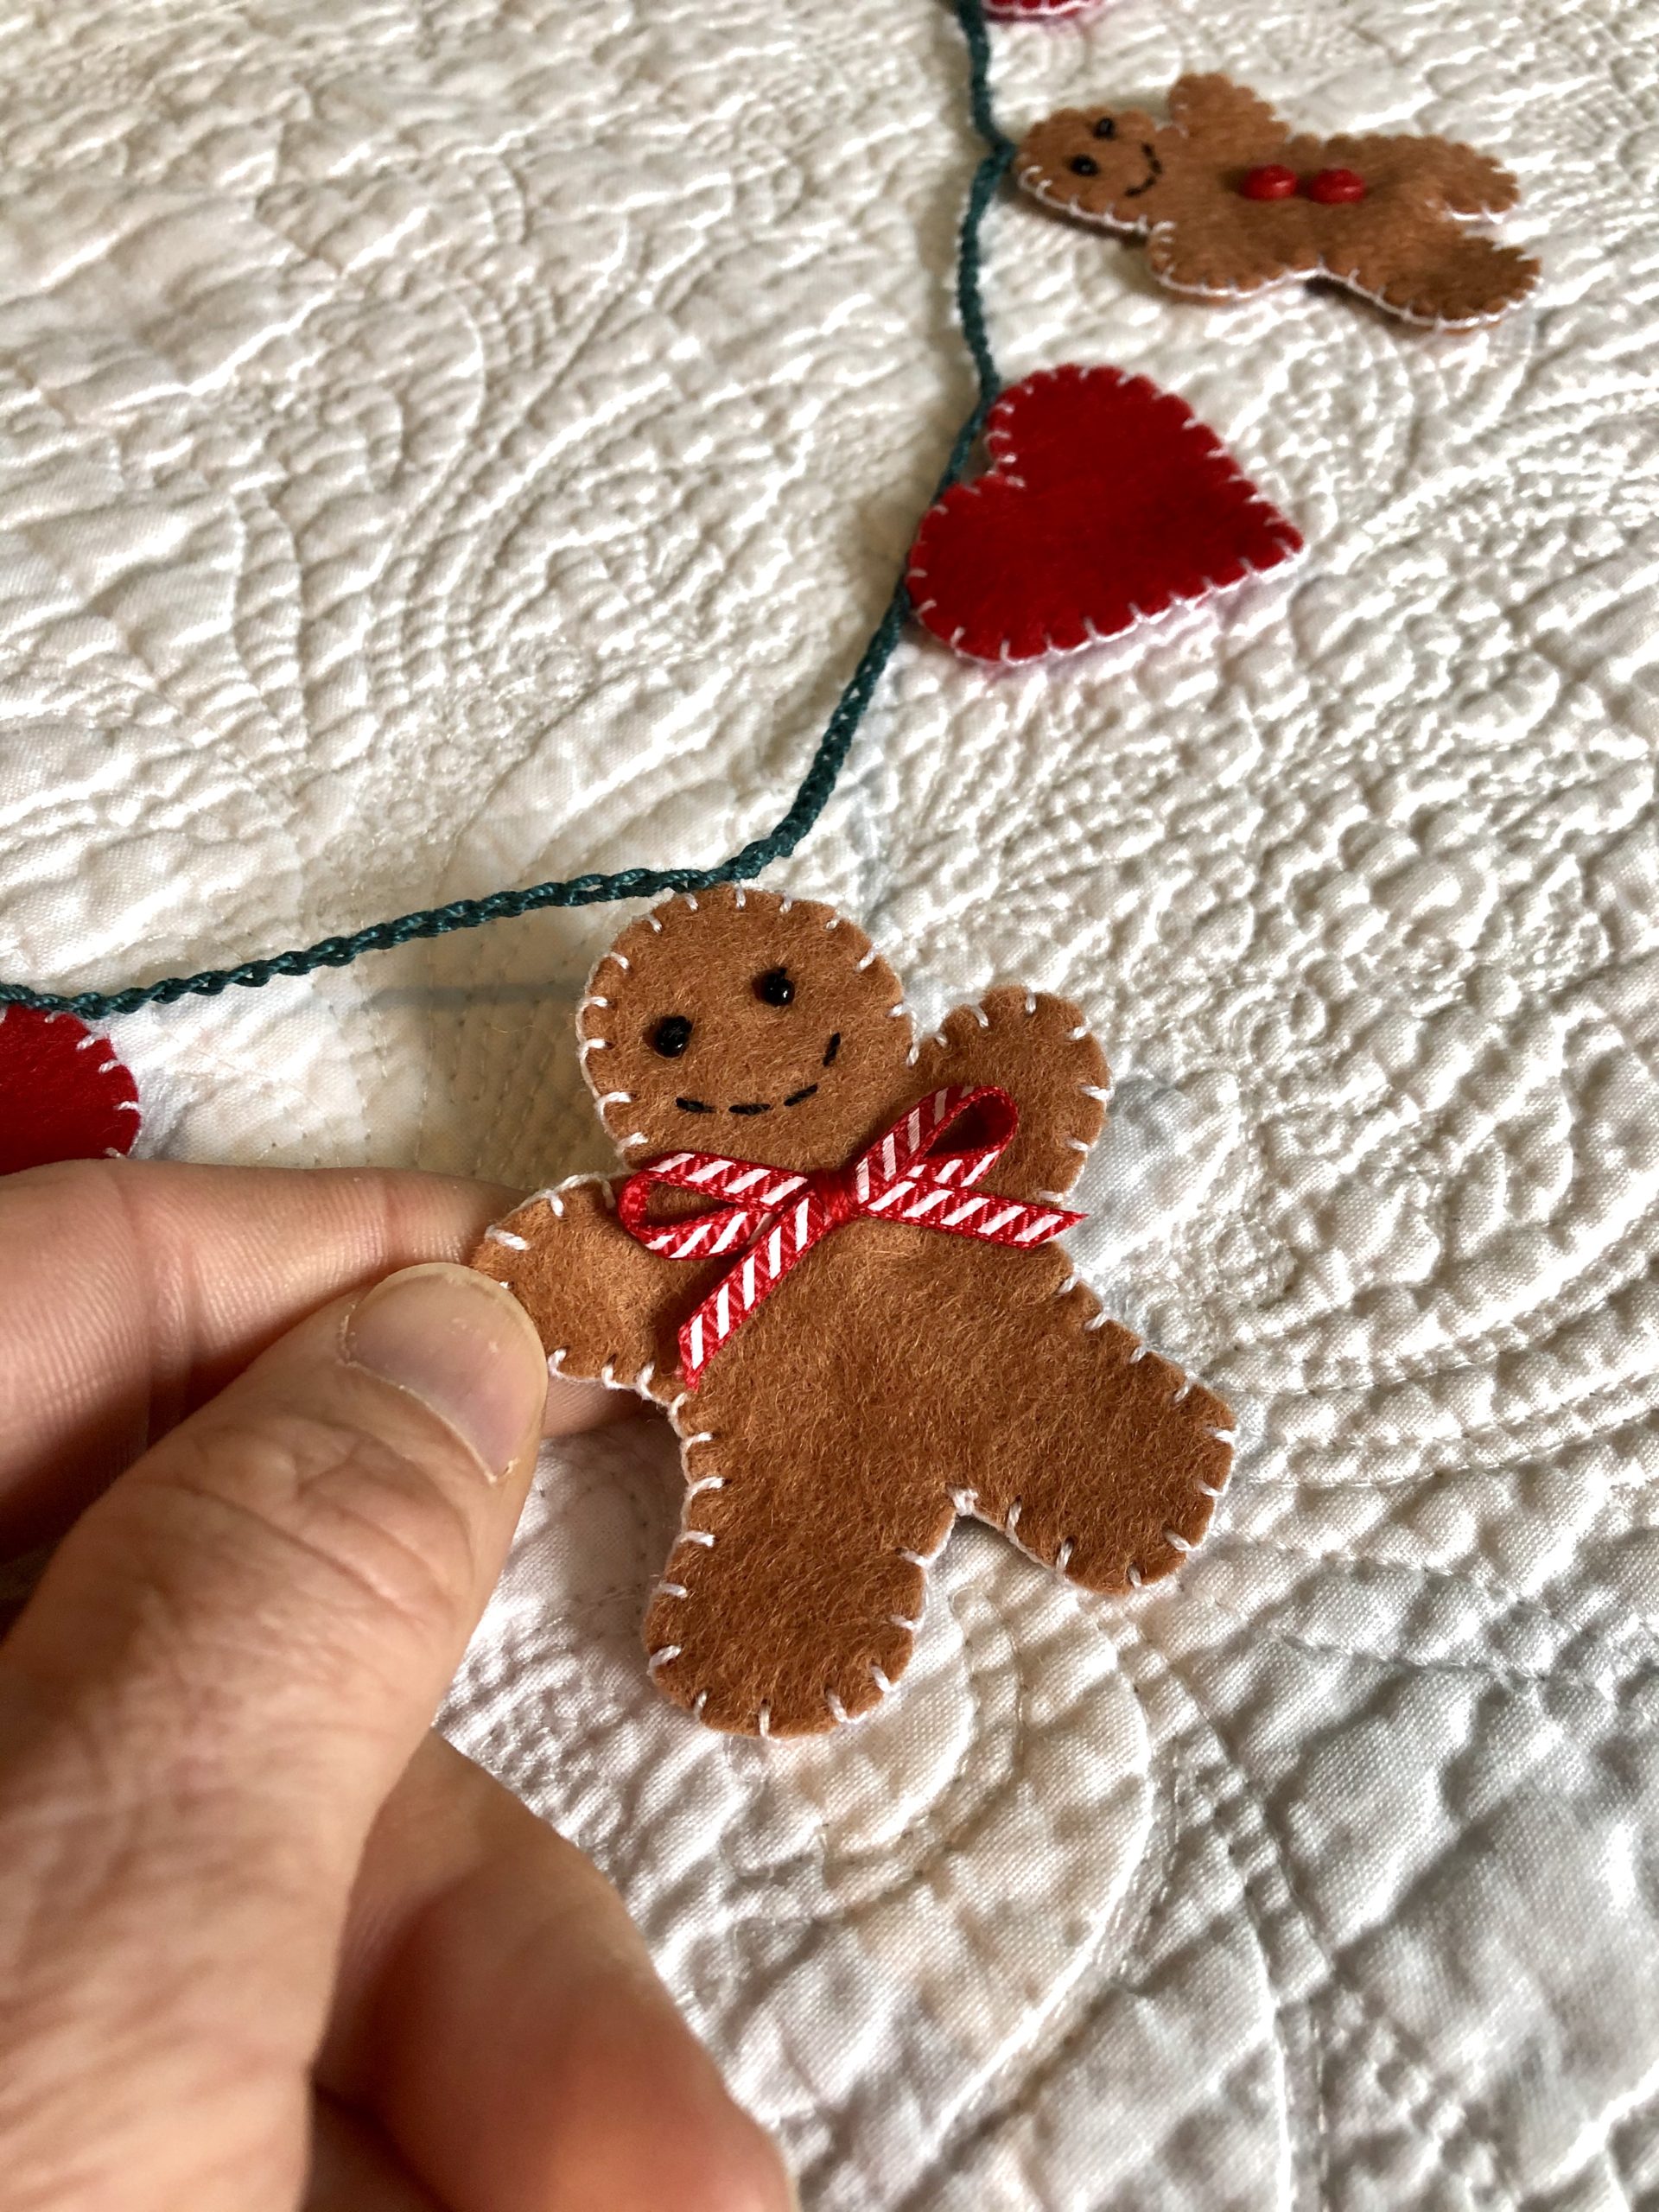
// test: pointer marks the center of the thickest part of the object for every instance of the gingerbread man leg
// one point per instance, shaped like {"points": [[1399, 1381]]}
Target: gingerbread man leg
{"points": [[1109, 1463], [1470, 182], [1461, 178], [788, 1605], [1453, 279]]}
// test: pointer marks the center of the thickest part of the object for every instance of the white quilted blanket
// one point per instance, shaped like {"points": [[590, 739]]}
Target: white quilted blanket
{"points": [[452, 443]]}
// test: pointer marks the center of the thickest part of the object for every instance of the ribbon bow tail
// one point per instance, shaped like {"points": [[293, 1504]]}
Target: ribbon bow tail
{"points": [[779, 1219], [782, 1241], [901, 1178]]}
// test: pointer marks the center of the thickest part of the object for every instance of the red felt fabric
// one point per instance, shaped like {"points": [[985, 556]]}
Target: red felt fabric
{"points": [[1108, 503], [1026, 11], [63, 1093]]}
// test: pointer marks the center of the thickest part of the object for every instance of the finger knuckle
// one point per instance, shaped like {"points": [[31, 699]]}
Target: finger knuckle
{"points": [[313, 1506]]}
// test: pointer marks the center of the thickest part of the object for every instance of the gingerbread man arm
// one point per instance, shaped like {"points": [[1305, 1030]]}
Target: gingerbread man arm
{"points": [[1229, 121], [1039, 1051], [604, 1307], [1228, 268]]}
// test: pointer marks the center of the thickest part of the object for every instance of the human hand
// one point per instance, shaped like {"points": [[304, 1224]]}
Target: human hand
{"points": [[264, 1941]]}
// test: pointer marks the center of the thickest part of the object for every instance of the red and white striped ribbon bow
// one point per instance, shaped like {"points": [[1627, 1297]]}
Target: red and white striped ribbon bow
{"points": [[773, 1218]]}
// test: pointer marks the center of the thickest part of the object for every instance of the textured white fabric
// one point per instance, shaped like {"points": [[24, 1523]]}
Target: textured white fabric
{"points": [[453, 444]]}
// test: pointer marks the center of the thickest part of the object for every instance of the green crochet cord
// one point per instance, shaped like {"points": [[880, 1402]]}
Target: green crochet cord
{"points": [[821, 777]]}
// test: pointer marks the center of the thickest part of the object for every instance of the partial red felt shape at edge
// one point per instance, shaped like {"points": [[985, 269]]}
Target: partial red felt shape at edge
{"points": [[1108, 503], [63, 1093], [1028, 11]]}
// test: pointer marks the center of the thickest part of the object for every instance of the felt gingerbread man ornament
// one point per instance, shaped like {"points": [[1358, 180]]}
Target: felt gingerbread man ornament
{"points": [[834, 1262], [1231, 203]]}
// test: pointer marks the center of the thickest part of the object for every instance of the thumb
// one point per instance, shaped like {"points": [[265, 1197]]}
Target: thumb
{"points": [[235, 1653]]}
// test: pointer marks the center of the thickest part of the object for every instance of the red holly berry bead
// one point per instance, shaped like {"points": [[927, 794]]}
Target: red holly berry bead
{"points": [[1335, 188], [1272, 182]]}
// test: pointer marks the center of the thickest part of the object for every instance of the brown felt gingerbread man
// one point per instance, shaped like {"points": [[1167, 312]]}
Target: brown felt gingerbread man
{"points": [[834, 1266], [1231, 203]]}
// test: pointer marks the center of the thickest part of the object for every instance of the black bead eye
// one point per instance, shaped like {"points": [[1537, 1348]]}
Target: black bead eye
{"points": [[670, 1036], [1084, 165], [1105, 127], [774, 987]]}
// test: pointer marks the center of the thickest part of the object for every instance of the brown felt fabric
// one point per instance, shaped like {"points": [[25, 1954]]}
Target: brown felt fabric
{"points": [[898, 1376], [701, 959], [1405, 245]]}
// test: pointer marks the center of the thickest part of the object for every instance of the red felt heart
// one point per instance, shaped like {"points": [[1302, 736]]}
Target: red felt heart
{"points": [[1107, 503], [63, 1093]]}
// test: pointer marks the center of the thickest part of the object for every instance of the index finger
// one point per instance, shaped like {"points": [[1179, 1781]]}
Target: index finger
{"points": [[131, 1292]]}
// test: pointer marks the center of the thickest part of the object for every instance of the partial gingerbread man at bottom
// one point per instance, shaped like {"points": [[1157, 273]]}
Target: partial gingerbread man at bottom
{"points": [[833, 1262]]}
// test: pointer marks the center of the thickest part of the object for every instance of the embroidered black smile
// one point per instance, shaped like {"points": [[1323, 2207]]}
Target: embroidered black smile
{"points": [[764, 1105], [1155, 170]]}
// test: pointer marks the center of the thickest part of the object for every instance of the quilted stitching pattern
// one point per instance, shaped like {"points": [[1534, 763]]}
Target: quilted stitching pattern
{"points": [[457, 442]]}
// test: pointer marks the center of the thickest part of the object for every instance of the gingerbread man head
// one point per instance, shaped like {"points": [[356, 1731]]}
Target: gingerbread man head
{"points": [[835, 1264], [734, 1021], [1100, 164]]}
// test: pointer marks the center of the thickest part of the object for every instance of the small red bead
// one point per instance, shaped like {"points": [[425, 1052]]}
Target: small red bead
{"points": [[1335, 188], [1273, 183]]}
